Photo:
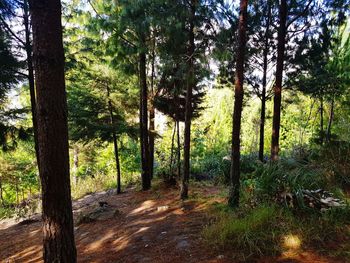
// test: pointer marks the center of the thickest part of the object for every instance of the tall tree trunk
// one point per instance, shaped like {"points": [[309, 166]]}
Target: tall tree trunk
{"points": [[233, 199], [28, 49], [330, 121], [264, 82], [188, 107], [115, 141], [178, 149], [1, 194], [172, 151], [51, 109], [144, 139], [17, 194], [279, 77], [152, 111], [117, 162], [75, 164], [321, 120]]}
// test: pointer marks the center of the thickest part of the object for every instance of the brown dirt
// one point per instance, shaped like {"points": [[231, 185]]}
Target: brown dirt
{"points": [[152, 226]]}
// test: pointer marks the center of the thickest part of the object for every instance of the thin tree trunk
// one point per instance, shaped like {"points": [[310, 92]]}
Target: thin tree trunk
{"points": [[178, 150], [279, 77], [188, 107], [28, 49], [117, 162], [152, 112], [115, 141], [1, 194], [48, 53], [330, 121], [264, 81], [144, 139], [172, 150], [321, 120], [233, 199], [17, 194], [75, 164]]}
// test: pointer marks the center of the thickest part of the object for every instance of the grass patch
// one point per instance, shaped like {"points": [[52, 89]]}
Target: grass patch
{"points": [[269, 230], [248, 233]]}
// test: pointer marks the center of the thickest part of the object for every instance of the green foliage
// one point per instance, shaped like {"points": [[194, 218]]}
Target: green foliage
{"points": [[288, 175], [255, 232], [9, 65], [250, 232]]}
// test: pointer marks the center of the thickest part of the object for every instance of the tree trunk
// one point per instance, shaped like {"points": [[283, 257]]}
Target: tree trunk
{"points": [[152, 113], [330, 121], [115, 141], [17, 194], [1, 194], [117, 162], [264, 82], [178, 150], [172, 151], [146, 171], [75, 164], [279, 77], [188, 107], [233, 199], [48, 53], [28, 49], [321, 120]]}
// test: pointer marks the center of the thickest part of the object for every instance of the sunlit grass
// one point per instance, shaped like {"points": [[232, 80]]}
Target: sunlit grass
{"points": [[101, 182]]}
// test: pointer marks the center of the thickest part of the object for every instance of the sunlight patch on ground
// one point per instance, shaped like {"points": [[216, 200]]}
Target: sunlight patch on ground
{"points": [[142, 229], [34, 232], [144, 206], [291, 242], [178, 212], [97, 244], [25, 254], [121, 242], [147, 221]]}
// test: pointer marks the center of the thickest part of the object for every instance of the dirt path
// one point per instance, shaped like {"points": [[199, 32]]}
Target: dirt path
{"points": [[134, 227]]}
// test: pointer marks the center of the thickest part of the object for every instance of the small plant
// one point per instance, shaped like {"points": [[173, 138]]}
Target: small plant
{"points": [[250, 233]]}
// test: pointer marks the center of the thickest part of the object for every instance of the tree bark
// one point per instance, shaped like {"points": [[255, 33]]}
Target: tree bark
{"points": [[233, 199], [115, 141], [1, 194], [321, 120], [152, 112], [330, 121], [188, 107], [48, 53], [117, 162], [75, 164], [172, 151], [279, 78], [17, 194], [144, 138], [28, 49], [264, 80], [178, 149]]}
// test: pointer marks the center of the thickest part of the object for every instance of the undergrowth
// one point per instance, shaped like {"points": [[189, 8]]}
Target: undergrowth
{"points": [[269, 230], [264, 225]]}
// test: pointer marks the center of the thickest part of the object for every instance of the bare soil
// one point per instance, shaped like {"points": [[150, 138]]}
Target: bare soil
{"points": [[135, 226]]}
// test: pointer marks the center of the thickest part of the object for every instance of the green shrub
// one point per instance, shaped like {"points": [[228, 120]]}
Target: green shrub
{"points": [[287, 175]]}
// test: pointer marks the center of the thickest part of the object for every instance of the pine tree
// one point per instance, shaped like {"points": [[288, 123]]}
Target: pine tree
{"points": [[58, 240], [233, 199]]}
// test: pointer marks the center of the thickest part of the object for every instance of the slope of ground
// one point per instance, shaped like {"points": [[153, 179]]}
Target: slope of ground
{"points": [[135, 226]]}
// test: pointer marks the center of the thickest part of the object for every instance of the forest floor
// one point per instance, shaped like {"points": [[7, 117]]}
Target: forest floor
{"points": [[135, 226]]}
